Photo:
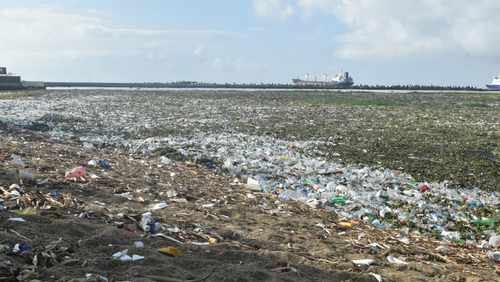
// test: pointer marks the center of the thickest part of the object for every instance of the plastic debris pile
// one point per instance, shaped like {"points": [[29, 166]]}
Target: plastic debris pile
{"points": [[292, 170], [384, 198], [27, 203]]}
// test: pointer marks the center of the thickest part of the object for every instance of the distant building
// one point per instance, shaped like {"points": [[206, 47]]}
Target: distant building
{"points": [[9, 81]]}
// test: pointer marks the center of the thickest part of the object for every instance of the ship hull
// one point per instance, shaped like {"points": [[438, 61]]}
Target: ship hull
{"points": [[493, 86], [328, 84]]}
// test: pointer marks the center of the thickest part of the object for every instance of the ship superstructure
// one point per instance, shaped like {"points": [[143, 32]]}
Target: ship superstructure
{"points": [[341, 80]]}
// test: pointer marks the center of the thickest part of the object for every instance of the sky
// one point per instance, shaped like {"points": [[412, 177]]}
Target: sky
{"points": [[440, 42]]}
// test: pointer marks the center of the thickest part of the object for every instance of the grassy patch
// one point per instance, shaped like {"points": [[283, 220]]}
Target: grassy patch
{"points": [[10, 95]]}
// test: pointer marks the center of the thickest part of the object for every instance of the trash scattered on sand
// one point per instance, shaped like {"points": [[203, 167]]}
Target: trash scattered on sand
{"points": [[96, 277], [148, 224], [17, 219], [494, 241], [253, 185], [125, 257], [396, 261], [377, 276], [171, 251], [166, 161], [104, 164], [157, 206], [21, 248], [385, 198], [76, 173], [17, 160], [247, 198], [494, 256], [364, 262]]}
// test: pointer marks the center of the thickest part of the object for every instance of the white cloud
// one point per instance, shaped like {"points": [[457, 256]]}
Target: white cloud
{"points": [[399, 28], [280, 9], [55, 37]]}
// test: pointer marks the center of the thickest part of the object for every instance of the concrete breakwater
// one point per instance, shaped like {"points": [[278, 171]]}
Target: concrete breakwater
{"points": [[15, 83]]}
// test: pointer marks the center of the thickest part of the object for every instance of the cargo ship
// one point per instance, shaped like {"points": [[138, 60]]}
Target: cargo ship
{"points": [[340, 80], [9, 81], [495, 84]]}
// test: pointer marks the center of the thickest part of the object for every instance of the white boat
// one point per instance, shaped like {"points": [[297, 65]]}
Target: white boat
{"points": [[495, 84]]}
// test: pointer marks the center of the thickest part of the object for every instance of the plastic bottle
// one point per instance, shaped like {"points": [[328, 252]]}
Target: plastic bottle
{"points": [[338, 200], [21, 248], [452, 236], [148, 224], [494, 241], [104, 164], [472, 203], [495, 256], [484, 222], [377, 223], [17, 160], [412, 184]]}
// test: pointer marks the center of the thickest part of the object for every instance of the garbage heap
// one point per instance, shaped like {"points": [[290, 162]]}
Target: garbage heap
{"points": [[383, 197]]}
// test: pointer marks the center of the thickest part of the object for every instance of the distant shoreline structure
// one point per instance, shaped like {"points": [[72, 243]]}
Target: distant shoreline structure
{"points": [[342, 80], [270, 86], [10, 81]]}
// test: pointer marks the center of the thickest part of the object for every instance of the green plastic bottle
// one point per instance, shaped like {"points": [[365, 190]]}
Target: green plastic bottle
{"points": [[413, 184], [308, 182], [484, 222], [338, 200]]}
